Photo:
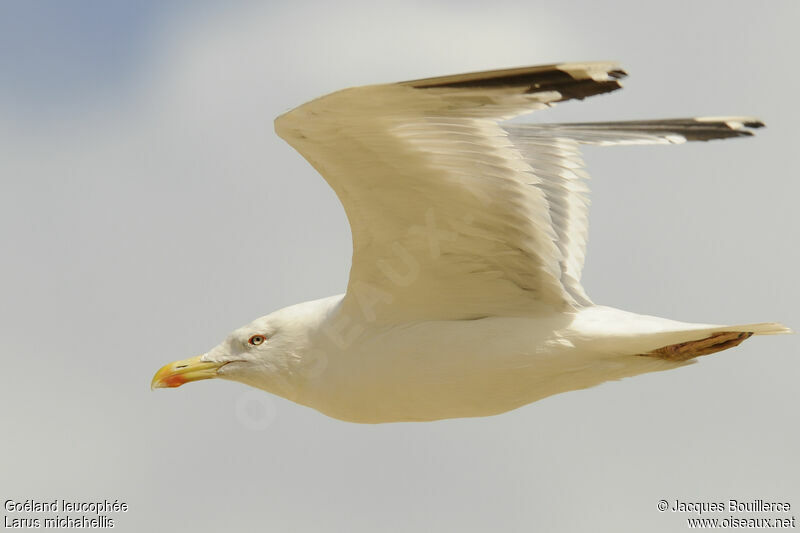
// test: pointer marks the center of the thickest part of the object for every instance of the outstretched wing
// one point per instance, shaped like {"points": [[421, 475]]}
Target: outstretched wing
{"points": [[447, 217], [452, 215]]}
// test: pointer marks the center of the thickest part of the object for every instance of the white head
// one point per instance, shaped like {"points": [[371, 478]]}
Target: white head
{"points": [[274, 353]]}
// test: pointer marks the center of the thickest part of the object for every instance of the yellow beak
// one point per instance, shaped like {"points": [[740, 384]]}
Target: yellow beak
{"points": [[180, 372]]}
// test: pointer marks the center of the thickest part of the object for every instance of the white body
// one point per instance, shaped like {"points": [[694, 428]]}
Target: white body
{"points": [[367, 372]]}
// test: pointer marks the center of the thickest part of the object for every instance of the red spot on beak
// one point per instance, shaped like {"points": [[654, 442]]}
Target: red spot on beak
{"points": [[175, 380]]}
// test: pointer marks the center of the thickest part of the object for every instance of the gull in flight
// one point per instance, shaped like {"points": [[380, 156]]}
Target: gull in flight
{"points": [[469, 236]]}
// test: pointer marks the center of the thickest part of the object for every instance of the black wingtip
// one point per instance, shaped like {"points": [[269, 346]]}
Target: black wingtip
{"points": [[570, 80], [642, 131], [617, 74], [580, 89], [711, 128]]}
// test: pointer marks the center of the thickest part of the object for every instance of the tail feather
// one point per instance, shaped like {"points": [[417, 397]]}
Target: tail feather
{"points": [[614, 331], [722, 339], [761, 328]]}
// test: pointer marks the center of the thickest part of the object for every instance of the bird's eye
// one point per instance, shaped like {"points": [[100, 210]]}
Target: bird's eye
{"points": [[255, 340]]}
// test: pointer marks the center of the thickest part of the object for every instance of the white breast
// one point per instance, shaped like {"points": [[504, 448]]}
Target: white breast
{"points": [[446, 369]]}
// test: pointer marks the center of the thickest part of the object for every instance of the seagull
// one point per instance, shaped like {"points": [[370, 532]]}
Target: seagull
{"points": [[469, 236]]}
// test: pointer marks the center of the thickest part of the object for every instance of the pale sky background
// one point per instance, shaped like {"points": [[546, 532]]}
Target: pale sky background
{"points": [[147, 209]]}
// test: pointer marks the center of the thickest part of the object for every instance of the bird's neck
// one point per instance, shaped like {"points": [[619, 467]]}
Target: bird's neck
{"points": [[310, 344]]}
